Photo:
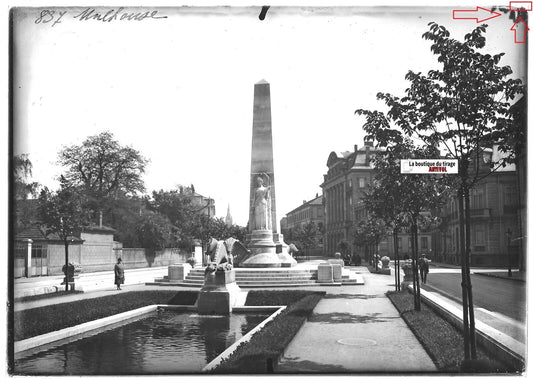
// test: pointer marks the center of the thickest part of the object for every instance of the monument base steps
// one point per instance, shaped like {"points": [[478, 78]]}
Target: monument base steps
{"points": [[265, 277]]}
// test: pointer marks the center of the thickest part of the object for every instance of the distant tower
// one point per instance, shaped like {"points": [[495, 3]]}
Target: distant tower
{"points": [[229, 219]]}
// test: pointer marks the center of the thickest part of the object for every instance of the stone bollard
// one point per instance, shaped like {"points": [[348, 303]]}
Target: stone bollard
{"points": [[408, 275], [337, 272], [337, 265], [178, 272], [325, 273]]}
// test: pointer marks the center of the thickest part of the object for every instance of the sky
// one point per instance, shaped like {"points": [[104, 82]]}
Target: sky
{"points": [[179, 88]]}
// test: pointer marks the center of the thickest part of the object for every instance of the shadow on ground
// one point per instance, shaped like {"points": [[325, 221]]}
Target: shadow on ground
{"points": [[295, 365], [349, 318], [352, 296]]}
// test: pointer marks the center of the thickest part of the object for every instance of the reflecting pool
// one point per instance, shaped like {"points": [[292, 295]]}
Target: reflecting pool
{"points": [[163, 342]]}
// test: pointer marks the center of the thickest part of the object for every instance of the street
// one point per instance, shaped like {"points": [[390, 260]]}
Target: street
{"points": [[494, 294]]}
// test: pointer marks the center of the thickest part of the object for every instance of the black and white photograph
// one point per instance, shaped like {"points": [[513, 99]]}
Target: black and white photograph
{"points": [[293, 189]]}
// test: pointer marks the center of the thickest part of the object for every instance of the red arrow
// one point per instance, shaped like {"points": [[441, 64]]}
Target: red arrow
{"points": [[479, 14], [519, 39]]}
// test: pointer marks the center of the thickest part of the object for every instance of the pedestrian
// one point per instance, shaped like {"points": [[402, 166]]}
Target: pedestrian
{"points": [[423, 265], [119, 273]]}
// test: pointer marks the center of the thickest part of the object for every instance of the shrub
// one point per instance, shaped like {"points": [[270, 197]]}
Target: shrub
{"points": [[30, 323], [265, 347], [442, 340]]}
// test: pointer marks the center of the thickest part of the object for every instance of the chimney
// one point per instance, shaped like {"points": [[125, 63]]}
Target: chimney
{"points": [[316, 195], [367, 154], [355, 149]]}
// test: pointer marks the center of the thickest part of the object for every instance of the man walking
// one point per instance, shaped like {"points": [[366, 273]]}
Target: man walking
{"points": [[423, 265]]}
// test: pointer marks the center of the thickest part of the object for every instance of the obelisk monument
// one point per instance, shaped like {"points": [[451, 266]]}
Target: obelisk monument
{"points": [[263, 239]]}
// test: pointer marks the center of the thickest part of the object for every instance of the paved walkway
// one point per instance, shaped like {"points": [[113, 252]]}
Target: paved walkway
{"points": [[356, 329]]}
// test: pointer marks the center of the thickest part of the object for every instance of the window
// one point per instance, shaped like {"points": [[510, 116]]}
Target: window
{"points": [[478, 197], [361, 182], [350, 183], [424, 242], [399, 244], [509, 195], [479, 236]]}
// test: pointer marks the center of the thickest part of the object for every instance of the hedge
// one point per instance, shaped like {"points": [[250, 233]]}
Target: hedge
{"points": [[262, 353], [33, 322]]}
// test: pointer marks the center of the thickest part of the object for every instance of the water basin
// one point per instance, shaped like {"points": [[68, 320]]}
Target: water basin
{"points": [[164, 342]]}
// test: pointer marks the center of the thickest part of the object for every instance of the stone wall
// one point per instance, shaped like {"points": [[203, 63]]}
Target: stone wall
{"points": [[142, 258], [56, 257]]}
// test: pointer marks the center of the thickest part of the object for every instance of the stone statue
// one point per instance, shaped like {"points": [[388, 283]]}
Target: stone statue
{"points": [[262, 216], [217, 253]]}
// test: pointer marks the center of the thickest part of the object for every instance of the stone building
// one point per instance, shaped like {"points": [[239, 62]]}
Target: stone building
{"points": [[203, 205], [497, 218], [496, 232], [94, 249], [349, 175], [307, 212]]}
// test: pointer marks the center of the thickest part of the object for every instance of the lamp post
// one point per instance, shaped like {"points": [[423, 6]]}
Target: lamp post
{"points": [[508, 235]]}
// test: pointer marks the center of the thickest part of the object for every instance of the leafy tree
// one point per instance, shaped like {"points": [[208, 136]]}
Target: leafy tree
{"points": [[344, 248], [461, 108], [22, 171], [174, 204], [238, 232], [369, 233], [306, 236], [22, 188], [399, 198], [103, 170], [62, 213], [154, 232], [385, 202]]}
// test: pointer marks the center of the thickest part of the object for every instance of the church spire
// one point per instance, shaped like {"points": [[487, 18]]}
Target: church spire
{"points": [[229, 219]]}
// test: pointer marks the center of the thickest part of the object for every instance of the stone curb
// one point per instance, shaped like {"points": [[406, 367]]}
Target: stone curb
{"points": [[226, 353], [499, 277], [506, 348], [46, 338]]}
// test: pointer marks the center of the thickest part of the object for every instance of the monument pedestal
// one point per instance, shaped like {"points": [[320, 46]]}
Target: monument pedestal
{"points": [[219, 293], [267, 251]]}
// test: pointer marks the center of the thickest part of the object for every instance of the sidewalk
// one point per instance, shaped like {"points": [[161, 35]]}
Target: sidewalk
{"points": [[356, 329], [53, 300], [85, 282]]}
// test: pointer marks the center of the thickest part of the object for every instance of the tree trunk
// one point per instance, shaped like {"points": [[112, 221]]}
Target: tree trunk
{"points": [[467, 273], [66, 265], [519, 213], [416, 301], [466, 326], [397, 263], [417, 278]]}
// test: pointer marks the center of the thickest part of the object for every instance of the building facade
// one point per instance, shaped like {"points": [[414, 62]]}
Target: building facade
{"points": [[349, 175], [311, 211], [497, 218], [495, 232]]}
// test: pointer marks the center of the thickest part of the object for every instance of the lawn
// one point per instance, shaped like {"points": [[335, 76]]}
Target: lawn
{"points": [[33, 322], [442, 341]]}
